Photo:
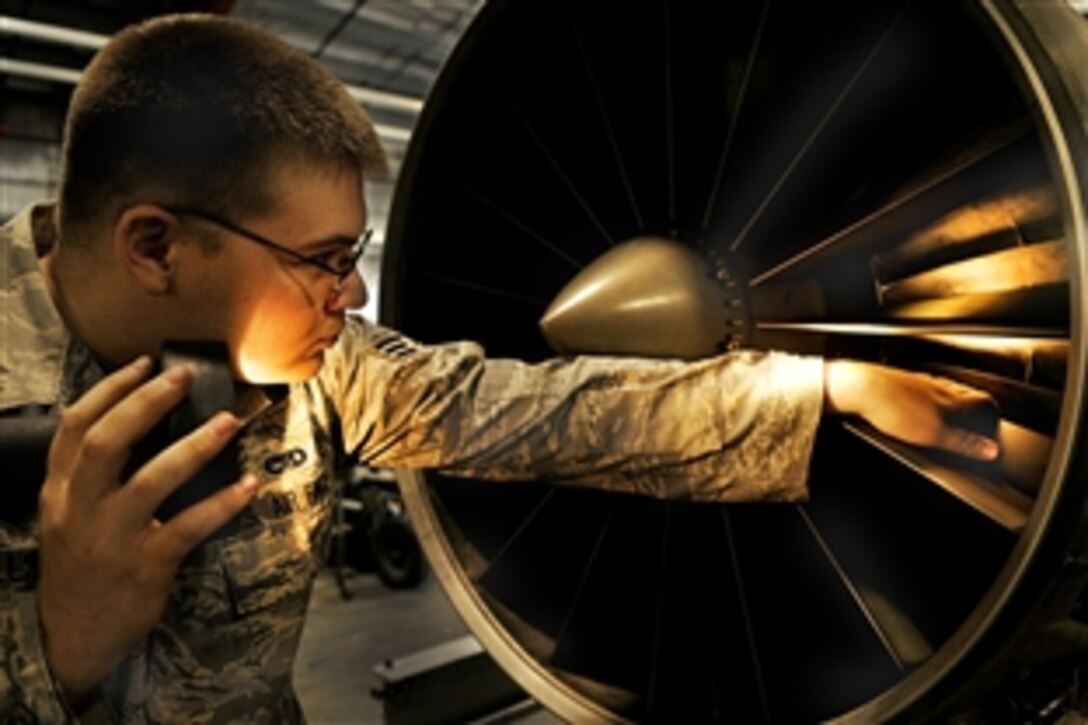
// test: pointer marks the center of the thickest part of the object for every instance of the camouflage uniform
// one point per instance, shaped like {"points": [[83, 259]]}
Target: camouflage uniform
{"points": [[729, 429]]}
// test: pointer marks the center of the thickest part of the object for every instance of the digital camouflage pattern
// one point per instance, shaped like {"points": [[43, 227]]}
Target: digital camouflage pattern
{"points": [[734, 428]]}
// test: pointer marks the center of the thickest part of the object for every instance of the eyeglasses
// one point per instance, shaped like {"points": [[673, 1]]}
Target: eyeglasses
{"points": [[339, 262]]}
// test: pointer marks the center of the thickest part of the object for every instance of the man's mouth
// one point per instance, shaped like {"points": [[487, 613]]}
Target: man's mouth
{"points": [[326, 341]]}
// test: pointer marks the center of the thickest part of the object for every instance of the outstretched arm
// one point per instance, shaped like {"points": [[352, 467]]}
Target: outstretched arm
{"points": [[738, 427]]}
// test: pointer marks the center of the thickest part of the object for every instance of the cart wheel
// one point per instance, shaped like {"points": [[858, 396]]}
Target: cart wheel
{"points": [[398, 559]]}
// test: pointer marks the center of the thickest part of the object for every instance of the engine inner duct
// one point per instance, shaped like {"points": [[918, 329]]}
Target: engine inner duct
{"points": [[896, 181]]}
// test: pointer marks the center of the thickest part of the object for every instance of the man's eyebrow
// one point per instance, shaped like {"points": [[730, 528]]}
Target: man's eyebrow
{"points": [[336, 240]]}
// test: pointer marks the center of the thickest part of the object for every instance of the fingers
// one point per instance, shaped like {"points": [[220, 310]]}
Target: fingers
{"points": [[964, 396], [108, 441], [162, 475], [78, 418], [181, 534], [970, 422], [968, 444]]}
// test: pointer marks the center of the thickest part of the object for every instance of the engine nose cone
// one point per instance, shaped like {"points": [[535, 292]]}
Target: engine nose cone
{"points": [[647, 296]]}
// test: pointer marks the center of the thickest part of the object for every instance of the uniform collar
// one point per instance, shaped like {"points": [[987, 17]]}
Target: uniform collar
{"points": [[40, 363]]}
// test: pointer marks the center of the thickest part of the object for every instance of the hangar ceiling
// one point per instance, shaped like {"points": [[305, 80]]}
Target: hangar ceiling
{"points": [[391, 47]]}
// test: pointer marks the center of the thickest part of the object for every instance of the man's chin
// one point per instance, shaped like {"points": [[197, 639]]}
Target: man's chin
{"points": [[258, 373]]}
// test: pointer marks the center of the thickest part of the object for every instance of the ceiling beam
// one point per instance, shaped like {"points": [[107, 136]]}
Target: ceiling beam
{"points": [[18, 27]]}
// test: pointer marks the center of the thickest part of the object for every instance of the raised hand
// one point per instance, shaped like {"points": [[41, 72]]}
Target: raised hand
{"points": [[915, 408], [107, 564]]}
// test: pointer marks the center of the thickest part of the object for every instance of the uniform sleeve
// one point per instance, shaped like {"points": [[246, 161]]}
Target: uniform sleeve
{"points": [[738, 427], [27, 690]]}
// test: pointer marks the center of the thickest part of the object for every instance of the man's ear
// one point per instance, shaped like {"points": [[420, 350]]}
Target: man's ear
{"points": [[145, 240]]}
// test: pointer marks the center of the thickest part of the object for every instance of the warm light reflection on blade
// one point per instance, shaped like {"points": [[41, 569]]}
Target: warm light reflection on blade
{"points": [[1041, 359], [1042, 302], [1041, 353], [910, 643], [999, 343], [1010, 269], [996, 500], [976, 337], [1025, 455], [959, 179], [999, 220]]}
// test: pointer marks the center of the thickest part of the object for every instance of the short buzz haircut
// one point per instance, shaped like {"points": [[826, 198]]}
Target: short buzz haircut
{"points": [[198, 110]]}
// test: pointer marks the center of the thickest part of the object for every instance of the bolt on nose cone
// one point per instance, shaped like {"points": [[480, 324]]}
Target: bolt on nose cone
{"points": [[647, 296]]}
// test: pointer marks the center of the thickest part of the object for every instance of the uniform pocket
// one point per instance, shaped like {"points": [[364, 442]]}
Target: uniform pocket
{"points": [[270, 572], [200, 597]]}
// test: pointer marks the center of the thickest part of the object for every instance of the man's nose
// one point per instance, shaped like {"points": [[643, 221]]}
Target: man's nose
{"points": [[351, 294]]}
